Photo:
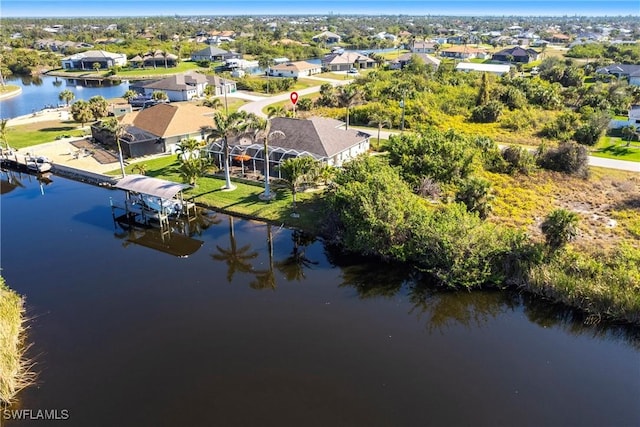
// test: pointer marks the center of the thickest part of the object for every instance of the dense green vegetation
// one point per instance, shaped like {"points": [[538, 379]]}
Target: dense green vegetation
{"points": [[14, 368]]}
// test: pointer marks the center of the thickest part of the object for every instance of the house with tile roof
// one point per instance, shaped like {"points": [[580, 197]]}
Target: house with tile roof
{"points": [[344, 61], [327, 37], [516, 54], [86, 60], [423, 46], [404, 59], [158, 129], [184, 87], [323, 139], [213, 53], [295, 69], [464, 52]]}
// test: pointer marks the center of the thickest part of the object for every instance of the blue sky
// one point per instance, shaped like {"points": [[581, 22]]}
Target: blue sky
{"points": [[69, 8]]}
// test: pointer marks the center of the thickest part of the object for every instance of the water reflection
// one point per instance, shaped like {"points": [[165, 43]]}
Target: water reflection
{"points": [[265, 279], [293, 266], [237, 259], [441, 309]]}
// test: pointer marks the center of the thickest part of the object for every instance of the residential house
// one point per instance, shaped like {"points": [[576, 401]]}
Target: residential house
{"points": [[347, 60], [213, 53], [86, 60], [559, 38], [155, 59], [404, 59], [295, 69], [159, 129], [634, 116], [498, 69], [516, 54], [183, 87], [423, 47], [321, 138], [628, 71], [327, 37], [464, 52]]}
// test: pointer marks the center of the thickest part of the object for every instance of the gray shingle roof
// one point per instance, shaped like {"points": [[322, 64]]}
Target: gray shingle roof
{"points": [[316, 135]]}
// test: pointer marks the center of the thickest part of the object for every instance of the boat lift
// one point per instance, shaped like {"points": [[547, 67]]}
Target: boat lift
{"points": [[138, 207]]}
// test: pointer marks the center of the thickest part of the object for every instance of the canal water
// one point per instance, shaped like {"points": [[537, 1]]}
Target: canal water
{"points": [[43, 91], [247, 333]]}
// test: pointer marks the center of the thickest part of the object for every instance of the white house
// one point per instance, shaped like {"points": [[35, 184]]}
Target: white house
{"points": [[86, 60], [499, 69], [295, 69], [184, 87]]}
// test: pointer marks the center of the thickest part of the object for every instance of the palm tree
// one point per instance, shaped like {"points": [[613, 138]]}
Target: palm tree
{"points": [[118, 131], [129, 95], [560, 227], [237, 259], [96, 66], [263, 131], [226, 127], [211, 102], [380, 119], [140, 168], [66, 96], [276, 111], [629, 132], [348, 96], [297, 171], [3, 132], [264, 62]]}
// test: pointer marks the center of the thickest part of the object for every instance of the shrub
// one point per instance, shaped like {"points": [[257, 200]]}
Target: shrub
{"points": [[518, 160], [568, 157], [559, 228], [487, 113]]}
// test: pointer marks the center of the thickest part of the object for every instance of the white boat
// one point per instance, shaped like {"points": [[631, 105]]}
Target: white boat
{"points": [[38, 164], [166, 206]]}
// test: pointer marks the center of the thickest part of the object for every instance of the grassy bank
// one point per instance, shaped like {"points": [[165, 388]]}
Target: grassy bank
{"points": [[14, 368], [244, 200], [41, 132]]}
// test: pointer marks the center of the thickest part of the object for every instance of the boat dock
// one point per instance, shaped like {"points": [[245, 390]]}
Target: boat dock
{"points": [[28, 162]]}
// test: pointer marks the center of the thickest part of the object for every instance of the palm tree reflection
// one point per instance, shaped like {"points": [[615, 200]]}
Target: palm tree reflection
{"points": [[294, 265], [237, 259], [266, 279]]}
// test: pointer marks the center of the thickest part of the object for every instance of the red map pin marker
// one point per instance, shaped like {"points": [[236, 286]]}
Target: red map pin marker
{"points": [[294, 97]]}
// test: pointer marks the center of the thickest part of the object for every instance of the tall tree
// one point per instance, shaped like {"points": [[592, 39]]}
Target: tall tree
{"points": [[379, 118], [297, 171], [81, 112], [66, 96], [263, 132], [348, 96], [265, 62], [484, 92], [118, 130], [226, 127], [3, 132]]}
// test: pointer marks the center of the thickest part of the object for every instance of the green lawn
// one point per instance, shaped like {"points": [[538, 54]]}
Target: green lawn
{"points": [[244, 200], [613, 147], [182, 67], [39, 133]]}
